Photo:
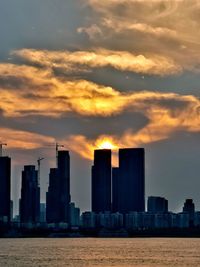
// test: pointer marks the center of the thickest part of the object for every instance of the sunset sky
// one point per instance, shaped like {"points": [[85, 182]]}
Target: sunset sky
{"points": [[111, 73]]}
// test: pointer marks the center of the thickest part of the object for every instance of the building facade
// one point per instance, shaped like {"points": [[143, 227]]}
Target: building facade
{"points": [[157, 204], [5, 198], [58, 195], [30, 196], [101, 181], [130, 181]]}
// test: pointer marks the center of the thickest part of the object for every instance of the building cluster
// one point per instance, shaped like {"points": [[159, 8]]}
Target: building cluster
{"points": [[118, 197], [157, 216]]}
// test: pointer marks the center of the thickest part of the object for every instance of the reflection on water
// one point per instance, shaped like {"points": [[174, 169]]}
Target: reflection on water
{"points": [[100, 252]]}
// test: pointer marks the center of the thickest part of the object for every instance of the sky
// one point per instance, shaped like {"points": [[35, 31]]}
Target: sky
{"points": [[91, 74]]}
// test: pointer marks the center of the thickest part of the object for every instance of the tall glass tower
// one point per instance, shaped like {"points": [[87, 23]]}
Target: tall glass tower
{"points": [[101, 181], [5, 178], [129, 181]]}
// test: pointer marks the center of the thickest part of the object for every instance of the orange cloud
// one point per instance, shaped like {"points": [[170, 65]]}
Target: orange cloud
{"points": [[39, 92], [26, 90], [166, 28], [162, 124], [24, 140], [121, 60]]}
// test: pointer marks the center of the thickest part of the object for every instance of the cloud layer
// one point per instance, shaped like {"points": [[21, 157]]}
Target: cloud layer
{"points": [[99, 58], [164, 28], [26, 91]]}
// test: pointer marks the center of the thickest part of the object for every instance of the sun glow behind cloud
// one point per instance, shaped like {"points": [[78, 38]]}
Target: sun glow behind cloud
{"points": [[30, 91], [106, 143]]}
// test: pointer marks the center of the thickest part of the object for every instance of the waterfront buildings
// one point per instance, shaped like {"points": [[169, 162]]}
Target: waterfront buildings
{"points": [[157, 204], [74, 216], [125, 189], [189, 208]]}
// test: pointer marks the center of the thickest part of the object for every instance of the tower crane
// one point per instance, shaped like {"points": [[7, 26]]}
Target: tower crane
{"points": [[39, 165], [1, 148], [57, 148]]}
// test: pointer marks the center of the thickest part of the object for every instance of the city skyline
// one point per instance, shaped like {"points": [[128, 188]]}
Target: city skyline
{"points": [[90, 74], [117, 200], [106, 194]]}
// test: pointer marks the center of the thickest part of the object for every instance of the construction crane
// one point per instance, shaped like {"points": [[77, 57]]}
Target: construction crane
{"points": [[57, 148], [1, 148], [39, 164]]}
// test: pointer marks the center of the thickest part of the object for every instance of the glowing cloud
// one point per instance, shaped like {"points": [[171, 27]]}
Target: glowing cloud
{"points": [[26, 91], [24, 140], [120, 60], [166, 28], [105, 143]]}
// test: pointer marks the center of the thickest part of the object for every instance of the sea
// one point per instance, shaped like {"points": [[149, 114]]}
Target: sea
{"points": [[105, 252]]}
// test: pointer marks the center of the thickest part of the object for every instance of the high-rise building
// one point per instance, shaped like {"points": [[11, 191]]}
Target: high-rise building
{"points": [[11, 210], [115, 189], [130, 181], [42, 212], [74, 216], [52, 197], [58, 195], [5, 178], [189, 208], [101, 181], [157, 204], [30, 196]]}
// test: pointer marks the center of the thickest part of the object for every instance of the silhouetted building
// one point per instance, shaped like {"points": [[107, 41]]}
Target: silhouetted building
{"points": [[74, 216], [52, 197], [88, 220], [58, 195], [101, 181], [5, 177], [30, 196], [42, 212], [115, 189], [157, 204], [11, 210], [189, 208], [129, 181]]}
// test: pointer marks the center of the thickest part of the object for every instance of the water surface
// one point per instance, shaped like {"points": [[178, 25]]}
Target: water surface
{"points": [[100, 252]]}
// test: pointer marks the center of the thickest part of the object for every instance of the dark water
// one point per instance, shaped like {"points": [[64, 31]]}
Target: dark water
{"points": [[100, 252]]}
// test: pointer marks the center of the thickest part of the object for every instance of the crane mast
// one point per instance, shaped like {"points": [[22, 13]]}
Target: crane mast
{"points": [[57, 148], [39, 166], [1, 148]]}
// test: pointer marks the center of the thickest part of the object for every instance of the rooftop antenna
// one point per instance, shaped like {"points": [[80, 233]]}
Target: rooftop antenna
{"points": [[39, 165], [1, 148]]}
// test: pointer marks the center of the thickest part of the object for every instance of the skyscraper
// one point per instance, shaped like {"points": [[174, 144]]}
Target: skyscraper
{"points": [[30, 196], [101, 181], [129, 181], [115, 189], [5, 177], [58, 195]]}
